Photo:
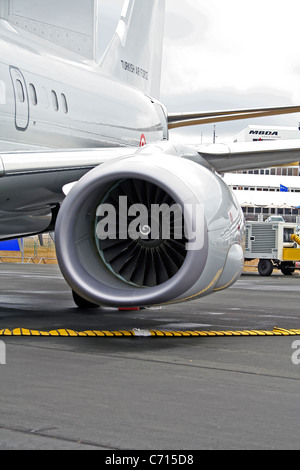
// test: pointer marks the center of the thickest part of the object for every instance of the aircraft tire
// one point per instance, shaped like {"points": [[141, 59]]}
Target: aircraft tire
{"points": [[83, 303]]}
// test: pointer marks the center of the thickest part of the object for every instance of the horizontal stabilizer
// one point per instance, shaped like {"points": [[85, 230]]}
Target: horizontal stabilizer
{"points": [[193, 119]]}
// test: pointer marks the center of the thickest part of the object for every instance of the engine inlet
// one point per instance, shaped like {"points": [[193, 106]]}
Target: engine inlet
{"points": [[139, 232]]}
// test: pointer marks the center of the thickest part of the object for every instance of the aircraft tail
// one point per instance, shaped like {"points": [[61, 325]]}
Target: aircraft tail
{"points": [[134, 55]]}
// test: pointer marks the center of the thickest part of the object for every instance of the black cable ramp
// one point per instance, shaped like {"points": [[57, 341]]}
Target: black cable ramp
{"points": [[136, 332]]}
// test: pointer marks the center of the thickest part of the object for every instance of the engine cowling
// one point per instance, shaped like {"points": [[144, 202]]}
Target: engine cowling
{"points": [[149, 229]]}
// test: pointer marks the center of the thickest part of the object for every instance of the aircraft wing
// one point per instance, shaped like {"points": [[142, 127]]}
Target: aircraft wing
{"points": [[249, 155], [58, 160], [245, 155], [193, 119], [32, 184]]}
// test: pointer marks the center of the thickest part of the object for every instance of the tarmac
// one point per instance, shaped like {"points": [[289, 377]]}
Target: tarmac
{"points": [[146, 393]]}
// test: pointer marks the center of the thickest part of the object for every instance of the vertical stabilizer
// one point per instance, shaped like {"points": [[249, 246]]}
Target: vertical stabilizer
{"points": [[71, 24], [134, 55]]}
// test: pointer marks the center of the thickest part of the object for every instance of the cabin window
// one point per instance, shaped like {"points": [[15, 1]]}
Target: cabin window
{"points": [[54, 100], [20, 91], [64, 103], [33, 95]]}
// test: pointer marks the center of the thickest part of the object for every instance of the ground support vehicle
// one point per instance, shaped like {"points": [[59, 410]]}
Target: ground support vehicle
{"points": [[274, 244]]}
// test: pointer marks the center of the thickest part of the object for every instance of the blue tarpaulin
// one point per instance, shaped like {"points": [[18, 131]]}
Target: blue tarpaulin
{"points": [[9, 245]]}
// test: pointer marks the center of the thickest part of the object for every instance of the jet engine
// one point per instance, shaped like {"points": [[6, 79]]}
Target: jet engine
{"points": [[153, 228]]}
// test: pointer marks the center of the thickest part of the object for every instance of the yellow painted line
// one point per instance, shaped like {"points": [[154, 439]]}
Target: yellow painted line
{"points": [[148, 333]]}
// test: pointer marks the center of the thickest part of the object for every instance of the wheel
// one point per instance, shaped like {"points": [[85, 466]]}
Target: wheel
{"points": [[287, 269], [265, 267], [83, 303]]}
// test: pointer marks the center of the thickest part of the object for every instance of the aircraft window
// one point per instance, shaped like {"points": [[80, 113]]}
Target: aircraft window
{"points": [[64, 103], [33, 94], [20, 91], [54, 100]]}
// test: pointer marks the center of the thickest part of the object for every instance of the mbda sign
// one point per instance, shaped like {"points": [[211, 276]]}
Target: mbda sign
{"points": [[270, 133]]}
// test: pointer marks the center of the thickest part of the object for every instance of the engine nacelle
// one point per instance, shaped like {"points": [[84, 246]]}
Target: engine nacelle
{"points": [[153, 228]]}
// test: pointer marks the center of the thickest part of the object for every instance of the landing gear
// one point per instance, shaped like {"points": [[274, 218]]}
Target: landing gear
{"points": [[83, 303]]}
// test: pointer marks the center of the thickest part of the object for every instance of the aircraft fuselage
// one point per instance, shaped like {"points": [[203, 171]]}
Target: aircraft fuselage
{"points": [[51, 100]]}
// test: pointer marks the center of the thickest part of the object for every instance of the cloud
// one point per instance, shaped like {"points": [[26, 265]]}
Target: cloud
{"points": [[184, 25], [238, 45], [238, 55]]}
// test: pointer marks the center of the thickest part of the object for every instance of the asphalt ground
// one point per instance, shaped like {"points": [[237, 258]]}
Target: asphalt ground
{"points": [[118, 394]]}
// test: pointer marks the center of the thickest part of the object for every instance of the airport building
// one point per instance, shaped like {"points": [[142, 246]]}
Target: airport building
{"points": [[268, 191], [259, 133]]}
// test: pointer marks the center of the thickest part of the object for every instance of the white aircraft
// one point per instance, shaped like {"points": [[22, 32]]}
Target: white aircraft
{"points": [[79, 134]]}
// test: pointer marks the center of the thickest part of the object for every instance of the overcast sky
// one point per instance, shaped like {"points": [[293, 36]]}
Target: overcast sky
{"points": [[224, 54]]}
